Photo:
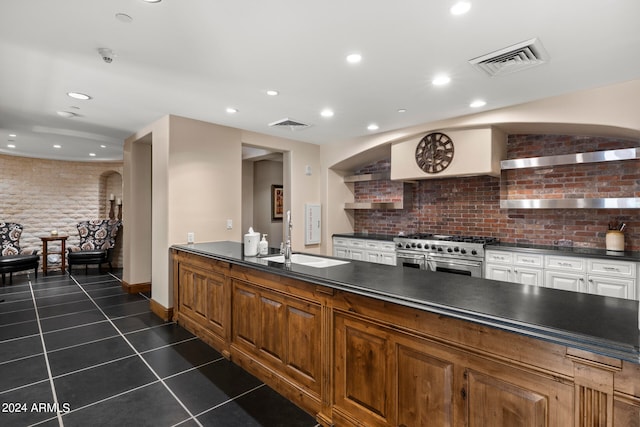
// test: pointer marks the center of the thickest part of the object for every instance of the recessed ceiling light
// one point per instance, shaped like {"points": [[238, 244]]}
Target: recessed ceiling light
{"points": [[373, 126], [232, 110], [272, 92], [478, 103], [326, 113], [441, 80], [78, 95], [123, 17], [402, 110], [12, 135], [11, 146], [92, 154], [460, 8], [152, 1], [57, 146], [354, 58], [66, 114], [103, 146]]}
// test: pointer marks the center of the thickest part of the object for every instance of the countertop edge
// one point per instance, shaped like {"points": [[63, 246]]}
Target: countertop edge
{"points": [[580, 341]]}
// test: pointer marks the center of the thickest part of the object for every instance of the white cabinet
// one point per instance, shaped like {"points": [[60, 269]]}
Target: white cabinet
{"points": [[376, 251], [601, 276], [514, 267], [566, 281]]}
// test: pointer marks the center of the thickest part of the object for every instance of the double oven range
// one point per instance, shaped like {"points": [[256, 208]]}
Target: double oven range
{"points": [[438, 252]]}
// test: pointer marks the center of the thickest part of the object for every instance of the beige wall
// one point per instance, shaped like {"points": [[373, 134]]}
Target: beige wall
{"points": [[196, 183], [44, 195]]}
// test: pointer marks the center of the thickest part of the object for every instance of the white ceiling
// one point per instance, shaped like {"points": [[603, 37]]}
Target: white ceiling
{"points": [[196, 58]]}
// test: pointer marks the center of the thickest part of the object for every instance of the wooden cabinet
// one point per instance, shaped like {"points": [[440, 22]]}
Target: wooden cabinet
{"points": [[353, 360], [436, 383], [203, 298], [376, 251], [280, 330]]}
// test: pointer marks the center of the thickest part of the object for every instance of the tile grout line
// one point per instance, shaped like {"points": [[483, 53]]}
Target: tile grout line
{"points": [[46, 358], [139, 355]]}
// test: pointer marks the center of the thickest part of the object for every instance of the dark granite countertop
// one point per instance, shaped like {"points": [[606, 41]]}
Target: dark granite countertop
{"points": [[367, 236], [603, 325], [568, 251]]}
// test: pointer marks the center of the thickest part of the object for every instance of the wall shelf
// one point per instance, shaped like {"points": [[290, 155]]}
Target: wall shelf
{"points": [[591, 203], [374, 205], [367, 177], [572, 159]]}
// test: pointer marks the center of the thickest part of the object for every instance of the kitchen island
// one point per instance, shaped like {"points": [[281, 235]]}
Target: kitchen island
{"points": [[367, 344]]}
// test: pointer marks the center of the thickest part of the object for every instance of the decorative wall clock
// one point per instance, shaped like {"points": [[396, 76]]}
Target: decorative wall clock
{"points": [[434, 152]]}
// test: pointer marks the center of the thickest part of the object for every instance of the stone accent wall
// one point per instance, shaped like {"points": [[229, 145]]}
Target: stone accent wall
{"points": [[471, 205], [45, 195]]}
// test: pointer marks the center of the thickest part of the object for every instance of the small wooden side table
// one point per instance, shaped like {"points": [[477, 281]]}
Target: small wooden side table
{"points": [[45, 251]]}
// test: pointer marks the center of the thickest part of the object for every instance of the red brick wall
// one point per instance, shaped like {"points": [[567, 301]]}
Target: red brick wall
{"points": [[471, 205]]}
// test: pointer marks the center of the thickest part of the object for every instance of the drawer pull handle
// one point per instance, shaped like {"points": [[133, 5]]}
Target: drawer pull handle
{"points": [[611, 269], [564, 264]]}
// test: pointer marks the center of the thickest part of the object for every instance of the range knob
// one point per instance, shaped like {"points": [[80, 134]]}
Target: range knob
{"points": [[408, 246], [399, 245], [433, 247], [474, 252], [449, 250], [456, 249], [413, 245], [463, 251], [419, 245], [439, 249]]}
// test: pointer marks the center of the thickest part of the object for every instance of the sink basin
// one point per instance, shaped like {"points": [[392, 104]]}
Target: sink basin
{"points": [[308, 260]]}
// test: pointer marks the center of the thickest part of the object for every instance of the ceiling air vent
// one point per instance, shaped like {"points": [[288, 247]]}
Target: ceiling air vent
{"points": [[291, 124], [513, 58]]}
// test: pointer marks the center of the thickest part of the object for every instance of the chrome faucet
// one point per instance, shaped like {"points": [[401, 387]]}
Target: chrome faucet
{"points": [[287, 237]]}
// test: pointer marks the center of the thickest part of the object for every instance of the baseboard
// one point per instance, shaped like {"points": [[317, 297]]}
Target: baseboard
{"points": [[161, 311], [134, 288]]}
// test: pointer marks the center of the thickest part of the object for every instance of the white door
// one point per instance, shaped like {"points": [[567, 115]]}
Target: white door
{"points": [[498, 272], [610, 287], [528, 276]]}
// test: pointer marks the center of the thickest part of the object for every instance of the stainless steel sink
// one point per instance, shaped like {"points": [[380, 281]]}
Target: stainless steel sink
{"points": [[307, 260]]}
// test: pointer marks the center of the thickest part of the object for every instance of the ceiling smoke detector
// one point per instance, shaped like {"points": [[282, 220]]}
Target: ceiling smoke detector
{"points": [[291, 124], [514, 58], [106, 54]]}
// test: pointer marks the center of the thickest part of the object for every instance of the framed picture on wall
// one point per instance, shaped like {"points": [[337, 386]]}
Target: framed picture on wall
{"points": [[277, 202]]}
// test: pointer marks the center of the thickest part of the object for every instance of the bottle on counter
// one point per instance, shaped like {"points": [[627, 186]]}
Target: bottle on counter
{"points": [[263, 246]]}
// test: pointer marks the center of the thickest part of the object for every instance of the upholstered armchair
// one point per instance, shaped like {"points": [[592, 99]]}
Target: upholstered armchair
{"points": [[97, 240], [12, 257]]}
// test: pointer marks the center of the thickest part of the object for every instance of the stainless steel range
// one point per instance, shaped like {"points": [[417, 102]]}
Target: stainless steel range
{"points": [[439, 252]]}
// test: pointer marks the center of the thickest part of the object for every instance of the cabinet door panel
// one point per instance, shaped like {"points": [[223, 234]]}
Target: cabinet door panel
{"points": [[425, 389], [362, 381], [366, 370], [495, 403], [607, 286], [245, 309], [529, 276], [565, 281], [303, 352], [272, 312], [498, 272]]}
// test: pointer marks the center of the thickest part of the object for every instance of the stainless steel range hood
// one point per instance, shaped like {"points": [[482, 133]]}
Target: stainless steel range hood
{"points": [[476, 152]]}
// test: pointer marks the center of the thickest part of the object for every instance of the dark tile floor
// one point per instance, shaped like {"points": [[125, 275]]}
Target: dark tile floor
{"points": [[77, 351]]}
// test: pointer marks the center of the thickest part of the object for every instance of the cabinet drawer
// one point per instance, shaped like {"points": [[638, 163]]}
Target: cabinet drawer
{"points": [[564, 263], [614, 268], [388, 246], [498, 257], [372, 245], [355, 243], [528, 260], [340, 241]]}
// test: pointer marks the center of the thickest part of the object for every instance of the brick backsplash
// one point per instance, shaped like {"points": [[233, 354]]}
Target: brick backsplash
{"points": [[471, 205], [44, 195]]}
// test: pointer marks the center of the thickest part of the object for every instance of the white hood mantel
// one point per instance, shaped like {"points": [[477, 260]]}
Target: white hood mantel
{"points": [[476, 152]]}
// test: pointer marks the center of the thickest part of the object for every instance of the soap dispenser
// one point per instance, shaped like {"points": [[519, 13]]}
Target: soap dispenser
{"points": [[263, 246]]}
